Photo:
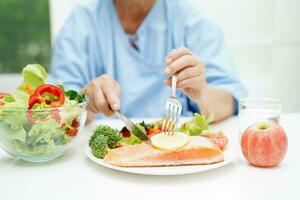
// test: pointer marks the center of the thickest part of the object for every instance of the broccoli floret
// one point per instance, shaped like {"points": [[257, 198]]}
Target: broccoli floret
{"points": [[99, 146], [113, 135]]}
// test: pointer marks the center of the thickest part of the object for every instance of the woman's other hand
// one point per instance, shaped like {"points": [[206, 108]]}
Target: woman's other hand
{"points": [[104, 96]]}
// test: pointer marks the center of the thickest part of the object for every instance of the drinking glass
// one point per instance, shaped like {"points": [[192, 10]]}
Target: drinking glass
{"points": [[258, 109]]}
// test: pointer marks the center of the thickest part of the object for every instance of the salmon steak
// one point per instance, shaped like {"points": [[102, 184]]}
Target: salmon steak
{"points": [[199, 151]]}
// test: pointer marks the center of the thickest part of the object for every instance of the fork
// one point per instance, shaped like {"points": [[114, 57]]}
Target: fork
{"points": [[172, 110]]}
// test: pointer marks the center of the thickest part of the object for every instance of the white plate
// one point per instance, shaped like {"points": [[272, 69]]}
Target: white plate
{"points": [[229, 154]]}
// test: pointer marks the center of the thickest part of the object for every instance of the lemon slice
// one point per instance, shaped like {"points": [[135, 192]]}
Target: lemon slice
{"points": [[165, 142]]}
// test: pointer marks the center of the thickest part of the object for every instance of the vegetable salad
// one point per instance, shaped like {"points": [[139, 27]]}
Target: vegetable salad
{"points": [[39, 118]]}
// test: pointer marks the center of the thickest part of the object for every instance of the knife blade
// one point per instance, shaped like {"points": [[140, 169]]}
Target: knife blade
{"points": [[134, 129]]}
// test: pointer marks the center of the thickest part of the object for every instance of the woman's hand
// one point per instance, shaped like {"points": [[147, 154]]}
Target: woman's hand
{"points": [[103, 93], [190, 69], [192, 80]]}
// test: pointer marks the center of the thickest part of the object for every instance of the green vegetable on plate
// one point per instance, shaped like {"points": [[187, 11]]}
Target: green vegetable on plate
{"points": [[112, 135], [104, 137], [130, 139], [197, 125], [99, 146]]}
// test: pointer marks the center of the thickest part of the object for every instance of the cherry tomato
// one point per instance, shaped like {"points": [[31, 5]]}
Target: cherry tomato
{"points": [[126, 133], [75, 123], [72, 132]]}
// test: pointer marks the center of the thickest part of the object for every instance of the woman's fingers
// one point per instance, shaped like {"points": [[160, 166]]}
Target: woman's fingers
{"points": [[167, 82], [90, 116], [89, 90], [177, 53], [189, 72], [92, 105], [103, 94], [102, 103], [180, 64], [190, 82], [111, 92]]}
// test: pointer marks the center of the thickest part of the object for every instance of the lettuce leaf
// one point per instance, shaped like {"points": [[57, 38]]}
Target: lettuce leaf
{"points": [[44, 138], [197, 125], [69, 113], [40, 150], [132, 140], [13, 112], [6, 133], [34, 75], [73, 95], [45, 132]]}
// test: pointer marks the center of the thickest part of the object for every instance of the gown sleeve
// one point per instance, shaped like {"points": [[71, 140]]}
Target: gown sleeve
{"points": [[69, 61], [206, 40]]}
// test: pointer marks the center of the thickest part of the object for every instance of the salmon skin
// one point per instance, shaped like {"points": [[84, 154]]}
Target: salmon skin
{"points": [[199, 151]]}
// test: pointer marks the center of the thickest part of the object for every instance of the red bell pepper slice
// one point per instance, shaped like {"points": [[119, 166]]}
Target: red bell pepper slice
{"points": [[2, 95], [38, 97], [153, 131]]}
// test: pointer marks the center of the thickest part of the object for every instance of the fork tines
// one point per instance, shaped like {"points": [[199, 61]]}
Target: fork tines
{"points": [[171, 117]]}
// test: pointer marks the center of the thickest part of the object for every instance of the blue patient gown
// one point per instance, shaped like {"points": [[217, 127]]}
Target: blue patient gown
{"points": [[92, 42]]}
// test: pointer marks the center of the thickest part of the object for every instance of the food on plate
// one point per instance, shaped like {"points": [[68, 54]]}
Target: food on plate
{"points": [[167, 142], [104, 137], [199, 150], [150, 129], [264, 144], [197, 125], [194, 146], [219, 139], [99, 146], [111, 134], [39, 119]]}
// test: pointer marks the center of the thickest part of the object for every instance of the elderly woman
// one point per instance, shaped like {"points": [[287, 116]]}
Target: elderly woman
{"points": [[123, 53]]}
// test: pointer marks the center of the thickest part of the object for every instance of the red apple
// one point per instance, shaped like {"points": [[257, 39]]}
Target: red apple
{"points": [[264, 144]]}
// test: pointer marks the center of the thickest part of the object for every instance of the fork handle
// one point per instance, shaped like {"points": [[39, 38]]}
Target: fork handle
{"points": [[173, 85]]}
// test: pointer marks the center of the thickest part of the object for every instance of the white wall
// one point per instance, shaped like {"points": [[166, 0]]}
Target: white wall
{"points": [[264, 36], [59, 11]]}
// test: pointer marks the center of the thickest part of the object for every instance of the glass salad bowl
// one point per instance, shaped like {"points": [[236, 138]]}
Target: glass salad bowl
{"points": [[38, 135]]}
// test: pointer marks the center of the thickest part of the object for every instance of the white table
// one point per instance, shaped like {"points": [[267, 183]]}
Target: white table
{"points": [[74, 177]]}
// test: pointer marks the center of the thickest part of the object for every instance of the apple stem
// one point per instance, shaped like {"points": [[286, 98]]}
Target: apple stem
{"points": [[263, 126]]}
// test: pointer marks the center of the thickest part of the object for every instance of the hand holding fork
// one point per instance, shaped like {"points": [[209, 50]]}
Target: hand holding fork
{"points": [[172, 110]]}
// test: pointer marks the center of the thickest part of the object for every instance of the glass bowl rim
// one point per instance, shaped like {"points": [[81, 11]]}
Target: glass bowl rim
{"points": [[82, 104]]}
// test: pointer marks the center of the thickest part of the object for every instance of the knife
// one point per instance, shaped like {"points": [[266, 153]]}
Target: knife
{"points": [[134, 129]]}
